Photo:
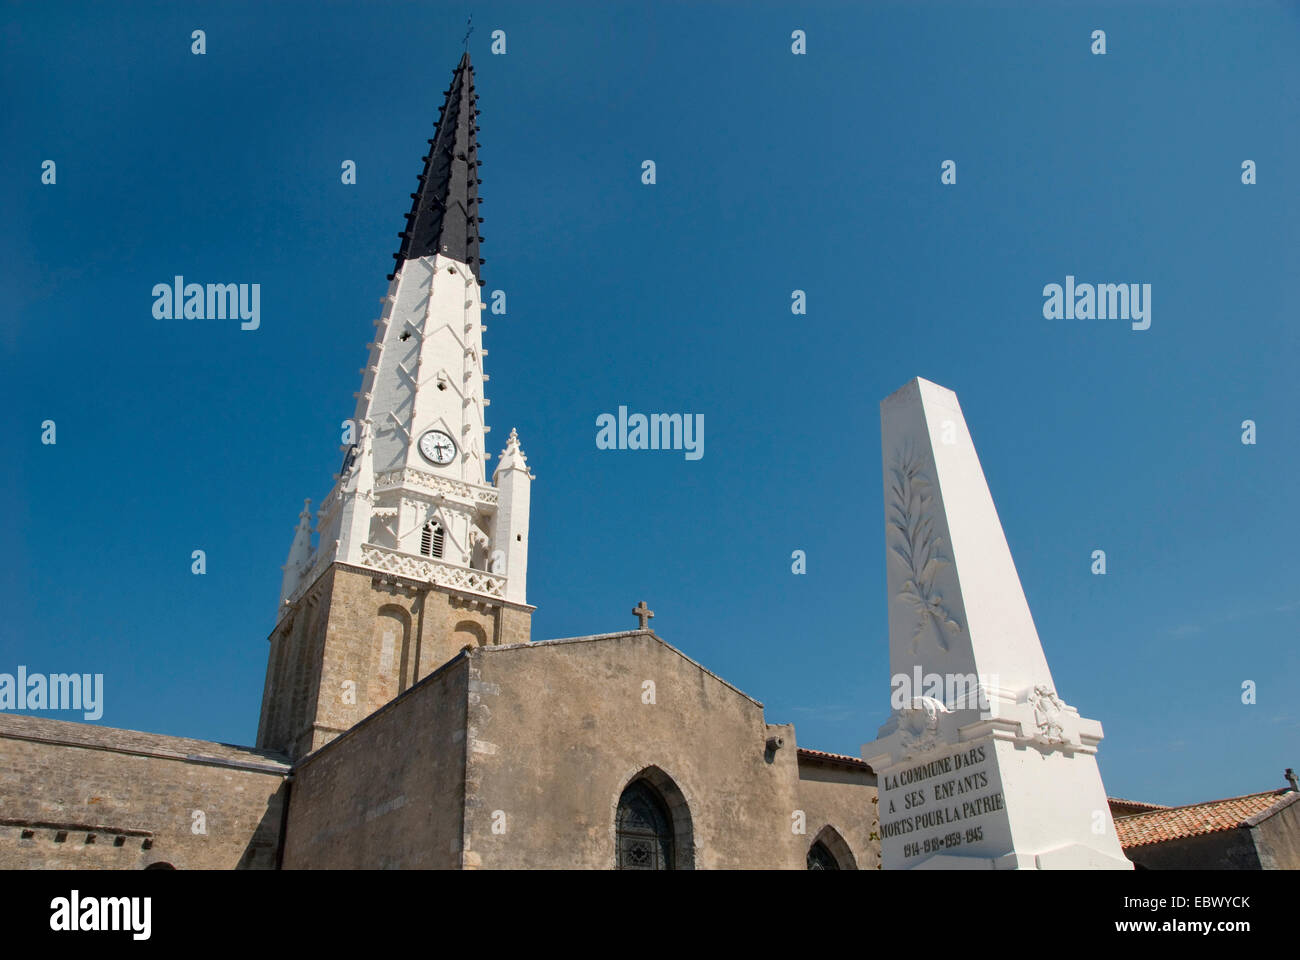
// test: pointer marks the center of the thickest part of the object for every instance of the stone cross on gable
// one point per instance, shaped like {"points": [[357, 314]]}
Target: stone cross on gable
{"points": [[642, 613]]}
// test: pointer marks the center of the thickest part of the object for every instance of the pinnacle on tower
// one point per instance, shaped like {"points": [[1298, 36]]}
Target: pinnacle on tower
{"points": [[512, 457], [444, 214], [295, 566]]}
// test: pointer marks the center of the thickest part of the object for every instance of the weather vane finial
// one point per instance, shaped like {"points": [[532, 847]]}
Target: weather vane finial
{"points": [[469, 23]]}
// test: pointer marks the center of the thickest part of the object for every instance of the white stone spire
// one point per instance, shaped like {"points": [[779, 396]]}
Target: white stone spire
{"points": [[417, 556], [413, 498], [425, 375]]}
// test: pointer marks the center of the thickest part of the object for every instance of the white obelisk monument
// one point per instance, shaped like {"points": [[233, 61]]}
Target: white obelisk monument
{"points": [[981, 764]]}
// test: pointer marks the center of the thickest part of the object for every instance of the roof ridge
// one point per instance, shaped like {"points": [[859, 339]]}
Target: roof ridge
{"points": [[846, 758], [1140, 803], [636, 631], [1289, 798], [1207, 803]]}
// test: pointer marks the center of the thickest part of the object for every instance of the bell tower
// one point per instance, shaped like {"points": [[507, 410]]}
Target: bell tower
{"points": [[416, 555]]}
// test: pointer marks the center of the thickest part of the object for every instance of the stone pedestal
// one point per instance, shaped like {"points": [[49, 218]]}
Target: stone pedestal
{"points": [[981, 764]]}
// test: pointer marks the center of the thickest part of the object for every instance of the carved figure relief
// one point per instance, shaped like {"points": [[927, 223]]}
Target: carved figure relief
{"points": [[918, 725], [1047, 714]]}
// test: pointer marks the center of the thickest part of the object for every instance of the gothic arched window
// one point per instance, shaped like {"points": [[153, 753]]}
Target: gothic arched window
{"points": [[644, 829], [431, 539], [829, 851], [820, 858]]}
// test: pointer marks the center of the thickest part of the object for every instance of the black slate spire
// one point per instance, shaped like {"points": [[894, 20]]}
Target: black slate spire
{"points": [[444, 214]]}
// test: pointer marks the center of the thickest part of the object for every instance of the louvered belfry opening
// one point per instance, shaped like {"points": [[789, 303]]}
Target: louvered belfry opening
{"points": [[444, 215], [431, 540]]}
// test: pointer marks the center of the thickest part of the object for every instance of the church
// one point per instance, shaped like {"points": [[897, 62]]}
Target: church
{"points": [[409, 719]]}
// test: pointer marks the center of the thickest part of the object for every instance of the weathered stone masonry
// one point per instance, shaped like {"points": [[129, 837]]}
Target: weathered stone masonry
{"points": [[80, 796]]}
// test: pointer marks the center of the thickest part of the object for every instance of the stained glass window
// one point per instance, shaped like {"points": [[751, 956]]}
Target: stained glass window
{"points": [[644, 829], [821, 858]]}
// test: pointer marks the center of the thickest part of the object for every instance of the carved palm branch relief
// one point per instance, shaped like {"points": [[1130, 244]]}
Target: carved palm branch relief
{"points": [[918, 548]]}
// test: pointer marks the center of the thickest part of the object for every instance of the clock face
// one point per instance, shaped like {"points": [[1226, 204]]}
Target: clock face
{"points": [[437, 447]]}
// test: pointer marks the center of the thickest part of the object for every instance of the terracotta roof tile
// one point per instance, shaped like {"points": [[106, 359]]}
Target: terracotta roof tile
{"points": [[1198, 819], [834, 758], [1123, 808]]}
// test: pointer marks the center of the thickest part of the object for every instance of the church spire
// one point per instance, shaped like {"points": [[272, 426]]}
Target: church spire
{"points": [[417, 553], [444, 215], [417, 484]]}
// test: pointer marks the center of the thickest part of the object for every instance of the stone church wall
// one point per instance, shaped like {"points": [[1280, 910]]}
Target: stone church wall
{"points": [[558, 729], [1225, 850], [1277, 839], [389, 793], [844, 800], [78, 796]]}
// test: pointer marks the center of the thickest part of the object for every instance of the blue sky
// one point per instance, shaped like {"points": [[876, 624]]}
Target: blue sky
{"points": [[775, 172]]}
